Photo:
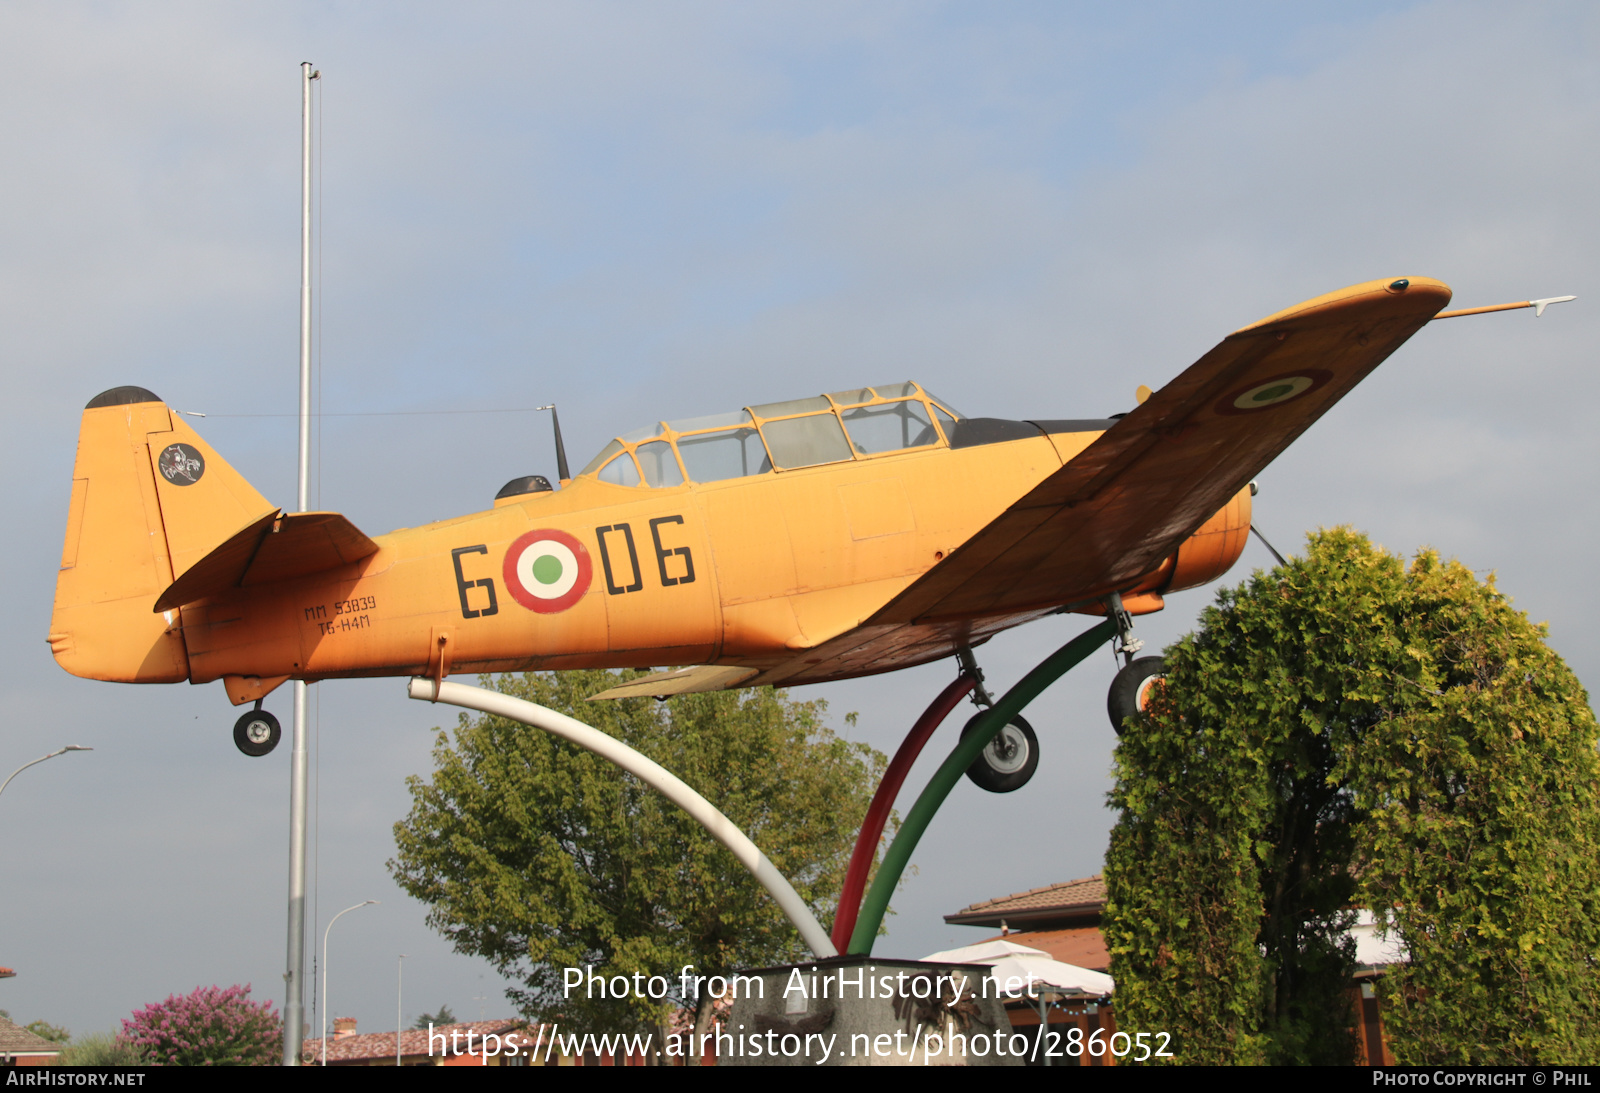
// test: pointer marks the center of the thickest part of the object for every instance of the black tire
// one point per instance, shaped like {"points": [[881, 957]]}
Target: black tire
{"points": [[1010, 759], [1130, 689], [257, 733]]}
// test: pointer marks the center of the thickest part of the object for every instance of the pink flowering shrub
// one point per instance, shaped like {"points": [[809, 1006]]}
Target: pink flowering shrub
{"points": [[210, 1027]]}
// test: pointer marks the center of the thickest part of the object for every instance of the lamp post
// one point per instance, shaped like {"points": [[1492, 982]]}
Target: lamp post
{"points": [[325, 934], [36, 762], [399, 1011]]}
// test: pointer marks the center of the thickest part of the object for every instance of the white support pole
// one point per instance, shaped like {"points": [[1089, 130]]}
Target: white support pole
{"points": [[299, 766], [651, 774]]}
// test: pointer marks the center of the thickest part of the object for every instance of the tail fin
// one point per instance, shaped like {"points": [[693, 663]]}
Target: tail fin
{"points": [[149, 500]]}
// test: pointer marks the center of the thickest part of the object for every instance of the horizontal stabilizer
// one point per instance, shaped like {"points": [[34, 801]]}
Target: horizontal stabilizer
{"points": [[276, 547], [680, 681]]}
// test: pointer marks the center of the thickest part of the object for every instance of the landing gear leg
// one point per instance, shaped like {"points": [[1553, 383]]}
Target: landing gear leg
{"points": [[1012, 756], [1137, 679], [257, 732], [1125, 644]]}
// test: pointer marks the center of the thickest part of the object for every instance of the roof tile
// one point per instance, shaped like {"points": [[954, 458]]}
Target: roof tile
{"points": [[380, 1045], [16, 1040], [1086, 893]]}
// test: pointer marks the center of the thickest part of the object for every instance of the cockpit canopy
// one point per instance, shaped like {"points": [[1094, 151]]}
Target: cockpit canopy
{"points": [[856, 424]]}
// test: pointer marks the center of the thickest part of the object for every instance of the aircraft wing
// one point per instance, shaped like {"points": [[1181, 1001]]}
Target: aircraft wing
{"points": [[1126, 502], [679, 681]]}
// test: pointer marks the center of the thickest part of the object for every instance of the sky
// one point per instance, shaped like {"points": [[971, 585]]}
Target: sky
{"points": [[644, 212]]}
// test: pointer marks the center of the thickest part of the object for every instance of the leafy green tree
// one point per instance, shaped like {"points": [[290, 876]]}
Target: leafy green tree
{"points": [[54, 1033], [443, 1017], [1347, 731], [541, 856]]}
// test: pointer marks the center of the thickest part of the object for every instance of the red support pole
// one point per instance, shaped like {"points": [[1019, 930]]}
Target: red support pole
{"points": [[855, 881]]}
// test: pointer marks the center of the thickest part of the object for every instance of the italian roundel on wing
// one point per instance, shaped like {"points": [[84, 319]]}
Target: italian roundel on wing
{"points": [[547, 570], [1273, 391]]}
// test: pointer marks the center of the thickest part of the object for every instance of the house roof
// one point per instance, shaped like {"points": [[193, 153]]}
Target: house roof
{"points": [[1080, 945], [16, 1040], [380, 1045], [1073, 901]]}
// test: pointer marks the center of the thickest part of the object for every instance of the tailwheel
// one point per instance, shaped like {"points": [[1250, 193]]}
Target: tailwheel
{"points": [[1132, 687], [257, 733], [1009, 760]]}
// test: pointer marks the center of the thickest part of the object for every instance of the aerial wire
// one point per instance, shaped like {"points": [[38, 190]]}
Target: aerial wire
{"points": [[391, 413]]}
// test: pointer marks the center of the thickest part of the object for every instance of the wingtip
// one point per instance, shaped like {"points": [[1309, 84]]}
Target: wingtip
{"points": [[1424, 296]]}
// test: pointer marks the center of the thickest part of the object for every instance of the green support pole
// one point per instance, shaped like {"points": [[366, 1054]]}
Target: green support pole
{"points": [[876, 905]]}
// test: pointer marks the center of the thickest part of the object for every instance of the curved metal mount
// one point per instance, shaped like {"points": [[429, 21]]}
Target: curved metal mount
{"points": [[651, 774], [950, 771], [855, 879]]}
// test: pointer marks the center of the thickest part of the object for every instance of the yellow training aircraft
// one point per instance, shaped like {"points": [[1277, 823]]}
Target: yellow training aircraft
{"points": [[796, 542]]}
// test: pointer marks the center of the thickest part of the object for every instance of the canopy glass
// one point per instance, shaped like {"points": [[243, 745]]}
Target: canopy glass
{"points": [[861, 423]]}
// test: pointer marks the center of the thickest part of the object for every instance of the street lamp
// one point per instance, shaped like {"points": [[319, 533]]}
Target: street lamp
{"points": [[325, 934], [52, 755], [399, 1012]]}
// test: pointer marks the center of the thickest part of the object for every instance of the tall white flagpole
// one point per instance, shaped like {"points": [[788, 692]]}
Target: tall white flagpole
{"points": [[294, 975]]}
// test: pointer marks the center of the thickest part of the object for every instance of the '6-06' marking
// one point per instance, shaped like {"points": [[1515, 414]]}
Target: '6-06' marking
{"points": [[547, 570]]}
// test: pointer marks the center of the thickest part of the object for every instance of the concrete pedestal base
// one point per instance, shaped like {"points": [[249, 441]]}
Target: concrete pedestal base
{"points": [[865, 1011]]}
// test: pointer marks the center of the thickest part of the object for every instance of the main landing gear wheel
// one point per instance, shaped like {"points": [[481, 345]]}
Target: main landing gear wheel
{"points": [[1009, 760], [1132, 687], [257, 733]]}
